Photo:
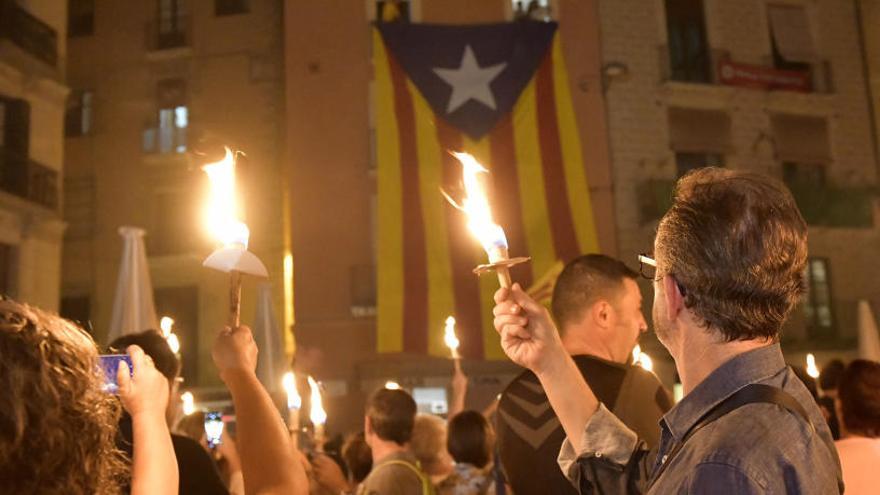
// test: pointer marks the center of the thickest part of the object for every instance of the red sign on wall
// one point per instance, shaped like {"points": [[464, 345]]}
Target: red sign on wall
{"points": [[757, 77]]}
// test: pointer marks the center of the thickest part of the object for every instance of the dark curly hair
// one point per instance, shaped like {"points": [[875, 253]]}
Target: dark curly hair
{"points": [[737, 244], [57, 428], [859, 394]]}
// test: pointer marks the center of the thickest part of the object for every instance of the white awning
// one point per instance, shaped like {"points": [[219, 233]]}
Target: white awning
{"points": [[791, 33]]}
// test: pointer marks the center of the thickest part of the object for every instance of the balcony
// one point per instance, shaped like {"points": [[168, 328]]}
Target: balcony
{"points": [[27, 32], [27, 179], [835, 206], [169, 34]]}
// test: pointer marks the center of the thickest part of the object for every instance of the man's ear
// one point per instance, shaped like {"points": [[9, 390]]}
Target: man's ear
{"points": [[672, 296], [601, 313]]}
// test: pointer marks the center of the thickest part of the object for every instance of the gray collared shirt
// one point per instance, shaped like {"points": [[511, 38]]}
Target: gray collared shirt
{"points": [[757, 448]]}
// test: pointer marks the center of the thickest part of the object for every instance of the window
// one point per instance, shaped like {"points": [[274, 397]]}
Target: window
{"points": [[168, 133], [392, 10], [80, 18], [685, 162], [817, 303], [801, 139], [171, 29], [8, 269], [15, 126], [231, 7], [699, 138], [689, 58], [2, 123], [791, 38], [804, 174], [531, 10], [174, 214], [78, 119], [79, 207], [78, 310], [431, 400], [363, 290]]}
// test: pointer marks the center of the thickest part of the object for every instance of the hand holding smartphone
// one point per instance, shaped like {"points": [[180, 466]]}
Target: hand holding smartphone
{"points": [[109, 365]]}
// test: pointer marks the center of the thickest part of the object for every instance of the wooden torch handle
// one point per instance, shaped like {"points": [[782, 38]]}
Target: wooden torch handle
{"points": [[234, 298], [504, 276]]}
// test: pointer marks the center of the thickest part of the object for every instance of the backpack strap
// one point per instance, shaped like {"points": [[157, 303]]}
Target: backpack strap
{"points": [[750, 394], [427, 487]]}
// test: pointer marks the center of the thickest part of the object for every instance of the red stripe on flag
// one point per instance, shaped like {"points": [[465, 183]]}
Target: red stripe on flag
{"points": [[468, 316], [561, 222], [415, 277], [506, 201]]}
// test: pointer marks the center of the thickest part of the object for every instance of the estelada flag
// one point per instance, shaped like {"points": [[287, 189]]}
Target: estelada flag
{"points": [[499, 92]]}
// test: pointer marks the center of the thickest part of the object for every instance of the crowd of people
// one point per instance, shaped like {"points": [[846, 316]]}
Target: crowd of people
{"points": [[726, 269]]}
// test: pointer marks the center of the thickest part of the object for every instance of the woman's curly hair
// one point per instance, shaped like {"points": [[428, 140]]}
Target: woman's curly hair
{"points": [[57, 428]]}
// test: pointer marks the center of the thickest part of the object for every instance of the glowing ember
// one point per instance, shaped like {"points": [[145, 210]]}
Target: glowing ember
{"points": [[812, 369], [476, 206], [450, 338], [189, 403], [317, 413], [294, 401], [222, 211]]}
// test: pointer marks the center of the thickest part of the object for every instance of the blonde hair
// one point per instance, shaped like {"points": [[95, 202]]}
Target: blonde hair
{"points": [[428, 443]]}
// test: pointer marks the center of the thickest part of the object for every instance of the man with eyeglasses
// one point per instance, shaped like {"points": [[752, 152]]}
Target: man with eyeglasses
{"points": [[728, 265]]}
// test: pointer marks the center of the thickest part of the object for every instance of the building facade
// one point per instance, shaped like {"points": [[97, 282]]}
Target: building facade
{"points": [[156, 85], [32, 102], [765, 86]]}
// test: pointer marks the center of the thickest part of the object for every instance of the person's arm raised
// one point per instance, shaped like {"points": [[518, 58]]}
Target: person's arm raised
{"points": [[144, 394], [267, 461], [530, 339]]}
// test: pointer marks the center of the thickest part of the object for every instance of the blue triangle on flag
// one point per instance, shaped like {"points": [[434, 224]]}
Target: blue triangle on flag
{"points": [[470, 75]]}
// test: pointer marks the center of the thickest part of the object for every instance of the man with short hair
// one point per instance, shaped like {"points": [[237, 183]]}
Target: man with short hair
{"points": [[597, 306], [388, 426], [729, 257], [198, 473]]}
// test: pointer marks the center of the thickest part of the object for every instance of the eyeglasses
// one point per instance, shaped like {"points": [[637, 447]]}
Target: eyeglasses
{"points": [[648, 270], [647, 266]]}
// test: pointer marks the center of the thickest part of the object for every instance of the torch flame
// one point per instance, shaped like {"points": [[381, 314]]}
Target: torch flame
{"points": [[449, 336], [812, 369], [189, 403], [222, 212], [294, 401], [476, 206], [166, 324], [317, 413]]}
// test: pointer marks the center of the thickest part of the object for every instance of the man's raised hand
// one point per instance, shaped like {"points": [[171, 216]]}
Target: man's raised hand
{"points": [[528, 335]]}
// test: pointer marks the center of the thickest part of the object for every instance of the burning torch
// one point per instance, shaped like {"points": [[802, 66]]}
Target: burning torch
{"points": [[317, 414], [491, 236], [224, 224], [452, 342]]}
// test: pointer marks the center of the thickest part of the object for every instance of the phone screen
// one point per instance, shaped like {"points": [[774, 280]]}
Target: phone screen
{"points": [[109, 364], [213, 428]]}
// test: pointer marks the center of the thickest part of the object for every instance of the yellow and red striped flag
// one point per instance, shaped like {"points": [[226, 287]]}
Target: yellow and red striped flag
{"points": [[499, 92]]}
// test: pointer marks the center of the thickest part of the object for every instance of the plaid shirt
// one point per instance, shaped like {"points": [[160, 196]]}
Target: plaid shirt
{"points": [[757, 448]]}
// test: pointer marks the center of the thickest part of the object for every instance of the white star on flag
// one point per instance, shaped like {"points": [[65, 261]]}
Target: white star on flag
{"points": [[470, 81]]}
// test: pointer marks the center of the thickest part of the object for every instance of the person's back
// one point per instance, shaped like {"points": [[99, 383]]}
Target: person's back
{"points": [[388, 427], [858, 405], [395, 474], [597, 304]]}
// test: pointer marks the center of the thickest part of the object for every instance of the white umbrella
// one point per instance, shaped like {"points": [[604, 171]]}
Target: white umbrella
{"points": [[869, 339], [271, 364], [133, 308]]}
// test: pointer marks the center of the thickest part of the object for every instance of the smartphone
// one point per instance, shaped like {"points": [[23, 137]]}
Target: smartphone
{"points": [[109, 364], [213, 428]]}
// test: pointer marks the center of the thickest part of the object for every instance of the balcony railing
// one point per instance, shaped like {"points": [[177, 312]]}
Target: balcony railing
{"points": [[28, 32], [27, 179]]}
